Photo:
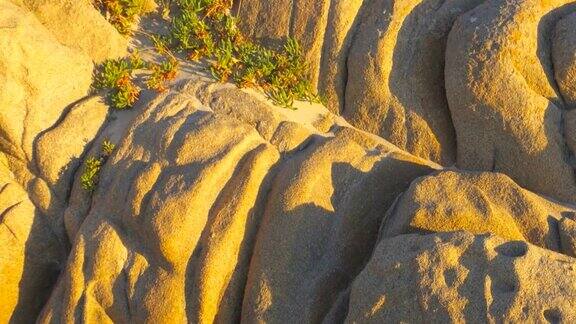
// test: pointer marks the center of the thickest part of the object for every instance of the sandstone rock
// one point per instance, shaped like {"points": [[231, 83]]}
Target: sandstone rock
{"points": [[564, 59], [58, 150], [320, 224], [458, 277], [383, 69], [567, 229], [341, 27], [78, 25], [155, 235], [395, 85], [42, 132], [170, 231], [477, 202], [39, 78], [216, 206], [505, 108], [30, 254], [570, 130]]}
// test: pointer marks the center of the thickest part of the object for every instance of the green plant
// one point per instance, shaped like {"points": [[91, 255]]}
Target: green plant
{"points": [[224, 62], [93, 165], [281, 97], [107, 148], [217, 8], [161, 74], [117, 75], [111, 72], [165, 8], [190, 34], [124, 13], [89, 178], [125, 95], [206, 29]]}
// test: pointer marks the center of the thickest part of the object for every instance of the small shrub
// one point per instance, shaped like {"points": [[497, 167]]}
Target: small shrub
{"points": [[224, 62], [107, 148], [125, 95], [123, 14], [281, 97], [93, 165], [161, 74], [117, 75], [89, 178], [111, 72], [190, 34], [206, 29]]}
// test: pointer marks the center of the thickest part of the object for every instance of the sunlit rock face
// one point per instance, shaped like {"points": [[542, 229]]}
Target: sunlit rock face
{"points": [[438, 185], [487, 86], [185, 232], [505, 103], [479, 202], [460, 277]]}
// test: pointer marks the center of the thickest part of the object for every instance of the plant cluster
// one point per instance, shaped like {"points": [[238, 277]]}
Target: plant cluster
{"points": [[206, 29], [122, 14], [93, 165], [118, 75], [161, 74]]}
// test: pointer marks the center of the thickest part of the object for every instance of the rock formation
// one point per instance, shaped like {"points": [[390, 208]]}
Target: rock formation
{"points": [[46, 124], [496, 50], [459, 277], [479, 203], [438, 185], [563, 60], [181, 224]]}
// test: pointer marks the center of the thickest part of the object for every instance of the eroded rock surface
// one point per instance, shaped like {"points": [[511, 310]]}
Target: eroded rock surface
{"points": [[509, 73], [172, 238], [31, 255], [564, 58], [459, 277], [46, 124], [216, 206], [382, 63], [395, 84], [78, 25], [477, 202], [506, 108]]}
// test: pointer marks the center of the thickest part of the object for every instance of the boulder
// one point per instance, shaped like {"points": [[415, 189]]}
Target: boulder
{"points": [[567, 230], [564, 58], [343, 19], [459, 277], [39, 78], [79, 25], [379, 63], [320, 223], [59, 149], [45, 128], [31, 255], [172, 228], [477, 202], [395, 85], [506, 109]]}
